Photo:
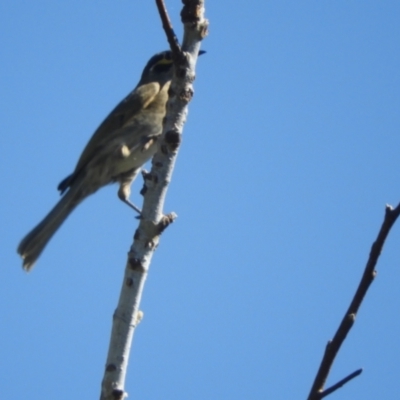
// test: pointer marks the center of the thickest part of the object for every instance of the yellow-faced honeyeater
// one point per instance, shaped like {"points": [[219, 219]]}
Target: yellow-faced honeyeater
{"points": [[119, 147]]}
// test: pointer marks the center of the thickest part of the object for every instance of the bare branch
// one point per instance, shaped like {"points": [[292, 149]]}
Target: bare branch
{"points": [[153, 221], [342, 382], [369, 274], [167, 25]]}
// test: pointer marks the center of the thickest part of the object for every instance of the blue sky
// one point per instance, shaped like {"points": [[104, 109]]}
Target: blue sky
{"points": [[289, 155]]}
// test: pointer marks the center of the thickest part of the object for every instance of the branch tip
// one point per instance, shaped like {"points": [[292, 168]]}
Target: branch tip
{"points": [[191, 11], [339, 384]]}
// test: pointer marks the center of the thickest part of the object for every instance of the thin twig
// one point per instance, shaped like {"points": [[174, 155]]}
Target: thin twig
{"points": [[342, 382], [369, 274], [167, 26]]}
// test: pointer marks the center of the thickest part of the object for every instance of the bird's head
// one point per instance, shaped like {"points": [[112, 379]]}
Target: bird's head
{"points": [[158, 69]]}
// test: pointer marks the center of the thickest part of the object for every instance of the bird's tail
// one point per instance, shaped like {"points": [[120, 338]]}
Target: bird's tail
{"points": [[36, 240]]}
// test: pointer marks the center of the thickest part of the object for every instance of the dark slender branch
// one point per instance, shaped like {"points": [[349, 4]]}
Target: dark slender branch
{"points": [[342, 382], [169, 31], [369, 274]]}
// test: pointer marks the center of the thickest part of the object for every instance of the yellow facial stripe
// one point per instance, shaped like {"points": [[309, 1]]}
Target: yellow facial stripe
{"points": [[164, 61]]}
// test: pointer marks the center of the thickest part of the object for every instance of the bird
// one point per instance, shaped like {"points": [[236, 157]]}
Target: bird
{"points": [[117, 150]]}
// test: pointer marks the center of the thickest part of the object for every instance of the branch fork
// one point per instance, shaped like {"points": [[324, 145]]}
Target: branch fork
{"points": [[333, 346], [152, 220]]}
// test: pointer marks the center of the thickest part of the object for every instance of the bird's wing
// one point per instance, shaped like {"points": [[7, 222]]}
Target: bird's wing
{"points": [[137, 100]]}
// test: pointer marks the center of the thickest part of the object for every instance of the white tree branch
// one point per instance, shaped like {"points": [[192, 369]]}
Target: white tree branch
{"points": [[153, 221]]}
